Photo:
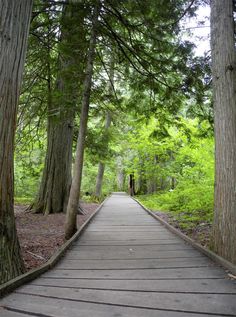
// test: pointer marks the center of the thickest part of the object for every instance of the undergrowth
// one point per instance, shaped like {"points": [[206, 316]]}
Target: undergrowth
{"points": [[190, 205]]}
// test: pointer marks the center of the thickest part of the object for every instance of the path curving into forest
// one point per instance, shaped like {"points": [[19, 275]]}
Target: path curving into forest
{"points": [[126, 264]]}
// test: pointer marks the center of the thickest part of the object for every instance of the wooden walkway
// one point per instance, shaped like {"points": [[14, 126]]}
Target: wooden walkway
{"points": [[126, 264]]}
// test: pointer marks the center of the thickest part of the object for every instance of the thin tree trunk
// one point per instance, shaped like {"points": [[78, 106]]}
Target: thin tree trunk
{"points": [[101, 168], [172, 179], [120, 180], [120, 174], [154, 177], [56, 180], [101, 165], [14, 25], [173, 182], [163, 183], [131, 185], [224, 94], [142, 182], [71, 225]]}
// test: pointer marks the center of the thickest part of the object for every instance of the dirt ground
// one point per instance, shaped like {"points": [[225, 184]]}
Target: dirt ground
{"points": [[41, 235], [201, 233]]}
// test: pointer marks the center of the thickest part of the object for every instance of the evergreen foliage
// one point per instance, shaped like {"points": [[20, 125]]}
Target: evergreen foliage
{"points": [[159, 99]]}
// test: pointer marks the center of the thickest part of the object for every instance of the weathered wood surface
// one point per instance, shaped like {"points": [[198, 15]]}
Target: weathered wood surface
{"points": [[126, 264]]}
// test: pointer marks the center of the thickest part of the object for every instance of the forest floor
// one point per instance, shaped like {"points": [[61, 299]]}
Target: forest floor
{"points": [[40, 235], [201, 232]]}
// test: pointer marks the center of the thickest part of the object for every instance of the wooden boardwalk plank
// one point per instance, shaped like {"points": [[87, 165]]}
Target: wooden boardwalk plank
{"points": [[142, 246], [168, 273], [6, 313], [126, 264], [125, 235], [130, 242], [210, 303], [55, 307], [130, 264], [131, 254], [221, 286]]}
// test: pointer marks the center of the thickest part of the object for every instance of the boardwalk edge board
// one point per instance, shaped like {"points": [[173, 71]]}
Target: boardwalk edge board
{"points": [[218, 259], [34, 273]]}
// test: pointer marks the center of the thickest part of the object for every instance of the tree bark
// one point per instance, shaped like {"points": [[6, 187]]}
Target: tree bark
{"points": [[224, 96], [71, 225], [56, 180], [131, 185], [14, 25], [98, 190], [101, 165]]}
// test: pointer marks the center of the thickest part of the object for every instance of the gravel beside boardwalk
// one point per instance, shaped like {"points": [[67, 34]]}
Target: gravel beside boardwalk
{"points": [[126, 264]]}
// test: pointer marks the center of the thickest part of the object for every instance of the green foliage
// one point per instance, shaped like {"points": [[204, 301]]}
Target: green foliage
{"points": [[189, 206], [28, 169], [180, 163], [158, 85], [23, 200], [89, 177], [191, 202]]}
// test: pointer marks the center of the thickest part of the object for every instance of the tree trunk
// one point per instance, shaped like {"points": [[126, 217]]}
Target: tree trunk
{"points": [[142, 182], [224, 94], [120, 174], [153, 178], [14, 25], [131, 185], [71, 225], [101, 165], [172, 182], [120, 180], [98, 190], [172, 179], [56, 180]]}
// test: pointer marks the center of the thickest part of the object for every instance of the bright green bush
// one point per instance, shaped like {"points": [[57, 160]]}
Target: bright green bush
{"points": [[191, 202], [189, 206]]}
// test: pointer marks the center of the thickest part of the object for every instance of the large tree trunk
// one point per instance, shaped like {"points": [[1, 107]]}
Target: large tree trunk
{"points": [[224, 94], [71, 225], [101, 165], [14, 25], [56, 180]]}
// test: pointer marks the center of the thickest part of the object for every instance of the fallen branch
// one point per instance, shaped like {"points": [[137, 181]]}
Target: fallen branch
{"points": [[36, 255]]}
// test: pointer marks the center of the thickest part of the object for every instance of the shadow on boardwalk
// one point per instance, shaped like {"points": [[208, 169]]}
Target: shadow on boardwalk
{"points": [[126, 264]]}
